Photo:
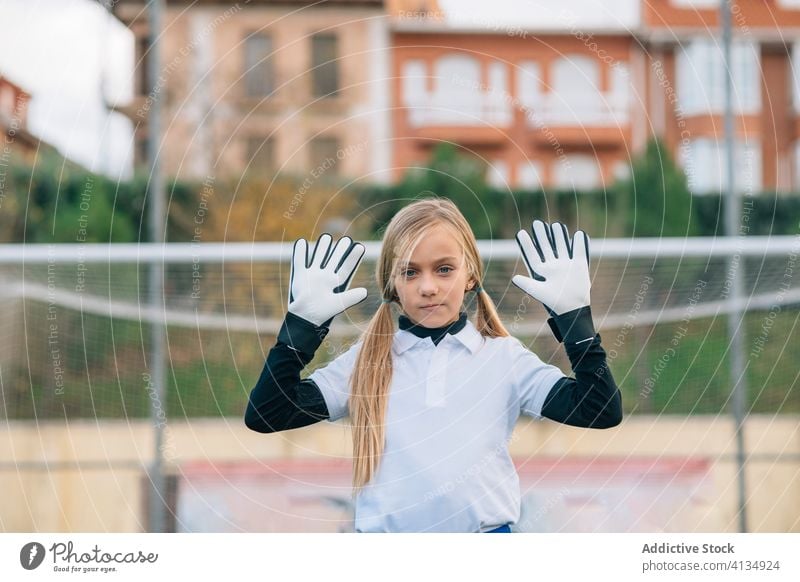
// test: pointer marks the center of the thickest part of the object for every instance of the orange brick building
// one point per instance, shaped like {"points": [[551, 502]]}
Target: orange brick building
{"points": [[684, 52], [556, 95], [566, 94], [18, 143]]}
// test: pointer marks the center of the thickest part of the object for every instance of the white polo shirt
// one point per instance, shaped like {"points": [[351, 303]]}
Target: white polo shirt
{"points": [[452, 409]]}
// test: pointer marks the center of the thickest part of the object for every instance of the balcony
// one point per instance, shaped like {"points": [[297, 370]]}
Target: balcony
{"points": [[599, 120], [596, 110], [477, 118], [471, 110]]}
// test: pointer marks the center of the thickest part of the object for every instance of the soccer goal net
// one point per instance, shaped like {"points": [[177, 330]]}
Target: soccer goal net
{"points": [[75, 323]]}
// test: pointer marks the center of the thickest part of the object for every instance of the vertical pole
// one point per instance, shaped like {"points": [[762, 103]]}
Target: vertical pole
{"points": [[155, 199], [102, 59], [735, 319]]}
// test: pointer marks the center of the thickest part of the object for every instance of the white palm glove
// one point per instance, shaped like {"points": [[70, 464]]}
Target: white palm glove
{"points": [[318, 287], [559, 268]]}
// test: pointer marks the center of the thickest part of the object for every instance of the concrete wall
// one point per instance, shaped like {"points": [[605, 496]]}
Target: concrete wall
{"points": [[87, 476]]}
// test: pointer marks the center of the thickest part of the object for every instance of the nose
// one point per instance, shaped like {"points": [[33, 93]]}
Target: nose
{"points": [[427, 285]]}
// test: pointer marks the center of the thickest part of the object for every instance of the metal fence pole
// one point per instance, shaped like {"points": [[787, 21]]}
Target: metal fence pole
{"points": [[735, 318], [155, 200]]}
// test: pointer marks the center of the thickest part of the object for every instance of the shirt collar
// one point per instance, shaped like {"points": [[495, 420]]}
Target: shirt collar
{"points": [[469, 337], [435, 333]]}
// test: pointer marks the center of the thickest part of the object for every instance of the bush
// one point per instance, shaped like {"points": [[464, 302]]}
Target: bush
{"points": [[655, 200]]}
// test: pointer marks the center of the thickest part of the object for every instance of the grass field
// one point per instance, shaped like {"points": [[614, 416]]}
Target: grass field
{"points": [[211, 373]]}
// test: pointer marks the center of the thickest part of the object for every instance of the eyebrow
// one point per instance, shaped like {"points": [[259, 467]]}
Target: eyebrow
{"points": [[442, 260]]}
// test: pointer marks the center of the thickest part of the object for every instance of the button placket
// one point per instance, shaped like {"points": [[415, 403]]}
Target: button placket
{"points": [[436, 386]]}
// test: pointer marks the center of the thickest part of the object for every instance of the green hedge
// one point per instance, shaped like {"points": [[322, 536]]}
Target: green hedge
{"points": [[654, 201], [48, 203]]}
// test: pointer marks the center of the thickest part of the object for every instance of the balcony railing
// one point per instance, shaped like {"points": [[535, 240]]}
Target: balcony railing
{"points": [[594, 110], [599, 110], [470, 110]]}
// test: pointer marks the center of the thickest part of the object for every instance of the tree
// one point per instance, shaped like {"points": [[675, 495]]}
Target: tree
{"points": [[655, 199], [448, 174]]}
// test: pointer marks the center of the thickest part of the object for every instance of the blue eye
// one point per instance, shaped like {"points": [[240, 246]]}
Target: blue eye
{"points": [[406, 272]]}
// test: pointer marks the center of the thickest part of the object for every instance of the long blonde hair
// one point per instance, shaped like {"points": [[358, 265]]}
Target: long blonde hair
{"points": [[372, 374]]}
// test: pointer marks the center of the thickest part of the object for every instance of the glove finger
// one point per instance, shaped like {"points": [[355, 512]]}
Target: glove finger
{"points": [[542, 237], [350, 263], [529, 252], [580, 246], [299, 262], [341, 248], [321, 251], [561, 237], [530, 287], [527, 284], [351, 297]]}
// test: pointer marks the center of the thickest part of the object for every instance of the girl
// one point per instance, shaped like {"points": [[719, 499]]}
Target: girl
{"points": [[433, 404]]}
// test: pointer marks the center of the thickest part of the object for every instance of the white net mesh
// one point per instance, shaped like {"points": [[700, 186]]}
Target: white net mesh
{"points": [[76, 333]]}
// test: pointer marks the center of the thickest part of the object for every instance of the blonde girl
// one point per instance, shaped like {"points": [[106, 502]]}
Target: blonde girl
{"points": [[434, 399]]}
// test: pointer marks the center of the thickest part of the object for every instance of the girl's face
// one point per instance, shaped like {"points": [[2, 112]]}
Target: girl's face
{"points": [[431, 283]]}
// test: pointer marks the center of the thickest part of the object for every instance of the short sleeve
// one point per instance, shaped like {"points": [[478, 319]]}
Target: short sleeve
{"points": [[533, 379], [333, 380]]}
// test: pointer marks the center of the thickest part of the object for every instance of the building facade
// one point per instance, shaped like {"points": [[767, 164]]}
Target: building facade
{"points": [[556, 95], [19, 145], [265, 86], [686, 90], [565, 94]]}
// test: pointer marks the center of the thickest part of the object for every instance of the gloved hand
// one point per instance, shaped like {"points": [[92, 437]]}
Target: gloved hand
{"points": [[318, 287], [559, 268]]}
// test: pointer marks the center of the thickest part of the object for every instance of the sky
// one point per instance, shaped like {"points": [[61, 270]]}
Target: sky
{"points": [[62, 52], [542, 14]]}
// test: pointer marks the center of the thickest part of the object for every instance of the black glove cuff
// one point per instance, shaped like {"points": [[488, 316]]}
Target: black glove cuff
{"points": [[573, 326], [301, 335]]}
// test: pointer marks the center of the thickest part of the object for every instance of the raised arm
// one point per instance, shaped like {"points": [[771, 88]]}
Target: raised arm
{"points": [[280, 400], [318, 291], [559, 279]]}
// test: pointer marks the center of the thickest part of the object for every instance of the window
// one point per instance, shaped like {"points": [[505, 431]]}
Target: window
{"points": [[258, 80], [797, 166], [621, 170], [414, 83], [576, 88], [457, 96], [497, 175], [498, 78], [325, 155], [701, 77], [498, 110], [529, 176], [529, 83], [795, 74], [620, 84], [260, 154], [704, 162], [577, 172], [142, 58], [576, 73], [324, 65]]}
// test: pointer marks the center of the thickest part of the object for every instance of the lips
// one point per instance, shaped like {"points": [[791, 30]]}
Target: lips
{"points": [[430, 306]]}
